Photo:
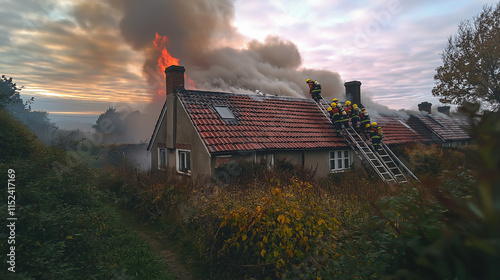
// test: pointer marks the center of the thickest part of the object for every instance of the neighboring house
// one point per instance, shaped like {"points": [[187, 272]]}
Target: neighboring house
{"points": [[440, 129], [198, 131]]}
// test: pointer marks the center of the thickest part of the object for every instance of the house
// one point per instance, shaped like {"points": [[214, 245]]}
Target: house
{"points": [[198, 131], [439, 129]]}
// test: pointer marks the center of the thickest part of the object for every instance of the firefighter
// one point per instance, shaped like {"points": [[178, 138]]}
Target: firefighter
{"points": [[355, 114], [366, 131], [344, 119], [364, 118], [335, 115], [376, 135], [348, 108], [314, 89]]}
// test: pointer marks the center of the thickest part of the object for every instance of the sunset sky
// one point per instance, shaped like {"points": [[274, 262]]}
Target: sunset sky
{"points": [[79, 57]]}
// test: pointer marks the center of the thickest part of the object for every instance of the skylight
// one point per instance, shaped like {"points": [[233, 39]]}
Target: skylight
{"points": [[224, 112]]}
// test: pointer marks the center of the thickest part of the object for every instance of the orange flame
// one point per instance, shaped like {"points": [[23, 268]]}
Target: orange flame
{"points": [[166, 59]]}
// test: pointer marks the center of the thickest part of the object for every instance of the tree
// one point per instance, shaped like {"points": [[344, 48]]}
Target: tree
{"points": [[471, 62], [110, 125], [9, 94]]}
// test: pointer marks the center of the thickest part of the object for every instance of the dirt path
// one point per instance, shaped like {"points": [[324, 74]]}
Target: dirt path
{"points": [[158, 245]]}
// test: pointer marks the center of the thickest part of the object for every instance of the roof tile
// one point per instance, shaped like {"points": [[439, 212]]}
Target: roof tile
{"points": [[269, 122]]}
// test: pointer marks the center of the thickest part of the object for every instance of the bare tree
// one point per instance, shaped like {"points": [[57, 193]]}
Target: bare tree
{"points": [[471, 62]]}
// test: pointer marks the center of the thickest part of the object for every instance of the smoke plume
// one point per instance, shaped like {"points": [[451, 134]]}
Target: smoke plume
{"points": [[201, 34]]}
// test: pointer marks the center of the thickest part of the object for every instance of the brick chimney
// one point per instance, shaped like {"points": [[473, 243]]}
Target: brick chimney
{"points": [[174, 77], [425, 106], [445, 110], [353, 91]]}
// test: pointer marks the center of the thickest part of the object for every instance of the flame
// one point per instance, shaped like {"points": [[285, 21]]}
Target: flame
{"points": [[165, 60]]}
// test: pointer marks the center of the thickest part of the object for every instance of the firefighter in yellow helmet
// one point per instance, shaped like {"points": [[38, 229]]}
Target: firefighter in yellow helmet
{"points": [[335, 116], [355, 115], [364, 120], [314, 89], [376, 135]]}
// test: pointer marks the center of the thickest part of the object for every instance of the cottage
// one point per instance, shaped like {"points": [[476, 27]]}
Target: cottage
{"points": [[198, 131], [439, 129]]}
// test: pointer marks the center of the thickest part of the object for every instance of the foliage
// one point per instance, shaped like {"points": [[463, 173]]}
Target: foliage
{"points": [[471, 62], [9, 93], [275, 237], [66, 228], [11, 102], [433, 231], [349, 226], [109, 122]]}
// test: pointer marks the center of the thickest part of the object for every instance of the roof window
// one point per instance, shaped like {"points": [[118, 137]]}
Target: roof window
{"points": [[224, 112]]}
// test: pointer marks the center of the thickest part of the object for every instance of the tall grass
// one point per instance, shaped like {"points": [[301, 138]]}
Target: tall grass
{"points": [[66, 226], [284, 223]]}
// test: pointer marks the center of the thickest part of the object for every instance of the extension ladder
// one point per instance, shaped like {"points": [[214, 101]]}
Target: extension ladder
{"points": [[382, 161]]}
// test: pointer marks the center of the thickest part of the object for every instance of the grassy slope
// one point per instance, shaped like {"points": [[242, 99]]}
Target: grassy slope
{"points": [[66, 228]]}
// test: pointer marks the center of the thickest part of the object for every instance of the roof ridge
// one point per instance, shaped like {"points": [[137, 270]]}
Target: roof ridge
{"points": [[186, 91]]}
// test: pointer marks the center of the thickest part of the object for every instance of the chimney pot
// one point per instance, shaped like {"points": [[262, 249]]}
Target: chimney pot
{"points": [[174, 78], [353, 92], [445, 110], [425, 106]]}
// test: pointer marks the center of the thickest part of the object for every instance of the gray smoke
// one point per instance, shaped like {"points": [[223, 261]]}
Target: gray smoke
{"points": [[201, 35]]}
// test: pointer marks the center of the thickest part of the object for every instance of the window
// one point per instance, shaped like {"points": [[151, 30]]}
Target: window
{"points": [[224, 112], [269, 158], [184, 161], [162, 158], [339, 160]]}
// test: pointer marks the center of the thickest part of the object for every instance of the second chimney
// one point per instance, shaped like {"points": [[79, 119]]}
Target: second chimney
{"points": [[174, 78], [353, 92], [445, 110], [425, 106]]}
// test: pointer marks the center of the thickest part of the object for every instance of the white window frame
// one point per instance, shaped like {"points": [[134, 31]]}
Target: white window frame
{"points": [[178, 157], [338, 159], [162, 151]]}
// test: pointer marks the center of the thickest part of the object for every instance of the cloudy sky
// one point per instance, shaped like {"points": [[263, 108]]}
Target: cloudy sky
{"points": [[79, 57]]}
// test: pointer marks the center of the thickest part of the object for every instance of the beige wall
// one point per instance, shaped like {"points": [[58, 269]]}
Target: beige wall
{"points": [[177, 132]]}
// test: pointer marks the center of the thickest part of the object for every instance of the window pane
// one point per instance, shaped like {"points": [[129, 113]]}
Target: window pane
{"points": [[224, 112], [339, 162], [346, 163], [332, 155], [188, 160], [182, 160], [339, 154], [332, 164], [346, 153]]}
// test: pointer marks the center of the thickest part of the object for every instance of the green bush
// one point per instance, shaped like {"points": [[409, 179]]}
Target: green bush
{"points": [[66, 227]]}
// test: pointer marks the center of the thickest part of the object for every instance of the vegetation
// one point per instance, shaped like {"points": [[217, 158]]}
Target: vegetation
{"points": [[66, 227], [278, 225], [471, 62]]}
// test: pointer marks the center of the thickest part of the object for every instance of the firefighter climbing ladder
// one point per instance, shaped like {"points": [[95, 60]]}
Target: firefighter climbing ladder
{"points": [[382, 161]]}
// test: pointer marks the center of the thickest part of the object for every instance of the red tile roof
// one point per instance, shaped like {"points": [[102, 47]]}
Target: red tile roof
{"points": [[261, 122], [395, 129]]}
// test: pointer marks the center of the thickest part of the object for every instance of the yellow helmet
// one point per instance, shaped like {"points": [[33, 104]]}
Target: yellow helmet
{"points": [[348, 103], [374, 124], [308, 80], [334, 104], [329, 109], [367, 125], [355, 106], [335, 100]]}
